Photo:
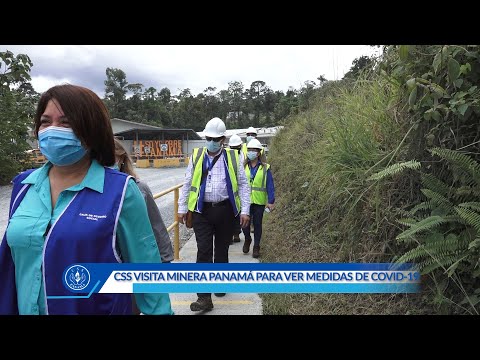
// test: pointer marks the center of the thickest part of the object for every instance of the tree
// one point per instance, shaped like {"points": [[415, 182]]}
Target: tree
{"points": [[305, 94], [116, 91], [256, 97], [359, 65], [165, 96], [286, 104], [17, 108], [211, 102], [321, 80], [235, 101]]}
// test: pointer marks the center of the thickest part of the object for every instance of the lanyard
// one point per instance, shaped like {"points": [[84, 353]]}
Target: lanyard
{"points": [[210, 165]]}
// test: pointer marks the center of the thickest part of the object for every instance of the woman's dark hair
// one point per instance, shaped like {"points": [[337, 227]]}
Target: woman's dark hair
{"points": [[88, 117]]}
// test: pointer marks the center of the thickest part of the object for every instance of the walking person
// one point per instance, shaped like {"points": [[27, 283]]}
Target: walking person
{"points": [[235, 143], [216, 191], [74, 209], [262, 196], [124, 163], [252, 134]]}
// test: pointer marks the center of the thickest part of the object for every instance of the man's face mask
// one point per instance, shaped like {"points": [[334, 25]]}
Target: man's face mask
{"points": [[213, 144]]}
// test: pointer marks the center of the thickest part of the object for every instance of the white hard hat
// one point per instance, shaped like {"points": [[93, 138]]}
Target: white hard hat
{"points": [[215, 128], [254, 144], [235, 140], [251, 130]]}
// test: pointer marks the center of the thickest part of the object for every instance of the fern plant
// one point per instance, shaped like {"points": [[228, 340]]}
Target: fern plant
{"points": [[447, 226], [444, 229]]}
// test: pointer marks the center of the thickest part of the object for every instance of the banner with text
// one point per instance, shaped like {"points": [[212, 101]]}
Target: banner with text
{"points": [[88, 278]]}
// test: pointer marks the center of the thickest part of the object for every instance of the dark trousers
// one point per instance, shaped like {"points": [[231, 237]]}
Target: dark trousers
{"points": [[236, 225], [256, 214], [214, 226]]}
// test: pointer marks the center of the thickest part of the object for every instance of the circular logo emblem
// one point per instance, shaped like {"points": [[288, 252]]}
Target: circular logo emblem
{"points": [[77, 277]]}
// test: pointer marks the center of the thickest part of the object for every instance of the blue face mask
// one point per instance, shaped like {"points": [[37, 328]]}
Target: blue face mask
{"points": [[252, 155], [60, 145], [250, 138], [213, 146]]}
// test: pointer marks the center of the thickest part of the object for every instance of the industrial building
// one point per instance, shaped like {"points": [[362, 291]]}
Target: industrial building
{"points": [[150, 145]]}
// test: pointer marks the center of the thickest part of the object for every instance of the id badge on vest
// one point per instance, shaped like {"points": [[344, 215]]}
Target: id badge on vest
{"points": [[208, 185]]}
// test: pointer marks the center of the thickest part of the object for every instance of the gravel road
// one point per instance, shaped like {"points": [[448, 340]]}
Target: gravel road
{"points": [[157, 179]]}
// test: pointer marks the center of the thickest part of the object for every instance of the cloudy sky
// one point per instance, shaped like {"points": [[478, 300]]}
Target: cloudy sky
{"points": [[188, 66]]}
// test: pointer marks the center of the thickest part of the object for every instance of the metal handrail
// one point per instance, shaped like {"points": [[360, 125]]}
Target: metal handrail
{"points": [[175, 224]]}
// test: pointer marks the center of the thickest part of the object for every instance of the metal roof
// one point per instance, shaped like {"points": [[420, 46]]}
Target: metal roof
{"points": [[167, 134], [136, 125]]}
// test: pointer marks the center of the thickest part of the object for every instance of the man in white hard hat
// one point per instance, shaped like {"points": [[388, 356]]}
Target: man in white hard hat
{"points": [[235, 143], [262, 196], [216, 191], [252, 134]]}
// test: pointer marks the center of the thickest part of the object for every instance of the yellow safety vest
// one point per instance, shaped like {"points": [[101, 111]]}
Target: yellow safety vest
{"points": [[244, 150], [232, 163], [259, 185]]}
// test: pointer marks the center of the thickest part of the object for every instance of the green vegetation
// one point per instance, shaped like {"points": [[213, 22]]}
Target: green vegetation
{"points": [[240, 107], [17, 105], [359, 179], [257, 106], [381, 166]]}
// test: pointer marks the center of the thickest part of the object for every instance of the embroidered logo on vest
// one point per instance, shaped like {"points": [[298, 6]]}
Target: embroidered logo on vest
{"points": [[77, 277]]}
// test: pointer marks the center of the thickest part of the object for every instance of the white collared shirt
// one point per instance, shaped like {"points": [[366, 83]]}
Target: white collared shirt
{"points": [[219, 184]]}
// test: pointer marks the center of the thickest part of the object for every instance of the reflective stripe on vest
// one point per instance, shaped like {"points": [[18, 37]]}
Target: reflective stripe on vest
{"points": [[232, 162], [259, 185]]}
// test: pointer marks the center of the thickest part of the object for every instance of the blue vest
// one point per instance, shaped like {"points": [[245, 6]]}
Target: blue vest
{"points": [[74, 238]]}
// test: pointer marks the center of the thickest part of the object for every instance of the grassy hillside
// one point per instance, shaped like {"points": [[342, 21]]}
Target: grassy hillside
{"points": [[414, 123], [327, 210]]}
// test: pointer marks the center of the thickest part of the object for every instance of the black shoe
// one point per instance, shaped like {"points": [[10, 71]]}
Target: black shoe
{"points": [[256, 251], [202, 304], [246, 246], [219, 294], [236, 238]]}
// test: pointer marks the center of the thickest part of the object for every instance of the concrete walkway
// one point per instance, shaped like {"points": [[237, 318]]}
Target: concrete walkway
{"points": [[231, 303]]}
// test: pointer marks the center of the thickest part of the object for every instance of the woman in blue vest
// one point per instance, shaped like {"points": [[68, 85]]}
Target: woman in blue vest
{"points": [[72, 210], [262, 194]]}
